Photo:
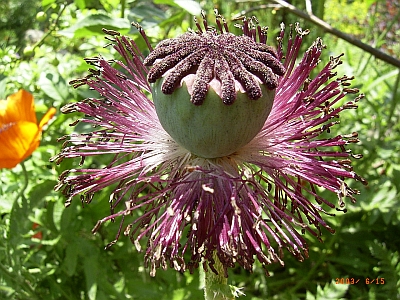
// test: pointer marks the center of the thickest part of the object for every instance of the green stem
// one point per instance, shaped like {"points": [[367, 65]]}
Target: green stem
{"points": [[26, 181], [394, 101], [216, 285], [123, 5]]}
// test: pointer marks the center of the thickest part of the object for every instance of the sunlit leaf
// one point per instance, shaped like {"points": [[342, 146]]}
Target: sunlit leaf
{"points": [[80, 3], [330, 291], [54, 86], [93, 24], [47, 2], [190, 6]]}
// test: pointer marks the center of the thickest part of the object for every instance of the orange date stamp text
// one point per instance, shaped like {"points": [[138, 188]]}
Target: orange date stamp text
{"points": [[351, 280]]}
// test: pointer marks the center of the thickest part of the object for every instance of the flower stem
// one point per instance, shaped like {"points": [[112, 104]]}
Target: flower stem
{"points": [[26, 181], [216, 285]]}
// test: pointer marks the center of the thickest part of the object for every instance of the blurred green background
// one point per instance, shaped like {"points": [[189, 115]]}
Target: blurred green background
{"points": [[48, 252]]}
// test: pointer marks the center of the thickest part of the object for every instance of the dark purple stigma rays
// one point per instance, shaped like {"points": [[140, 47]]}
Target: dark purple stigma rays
{"points": [[216, 53]]}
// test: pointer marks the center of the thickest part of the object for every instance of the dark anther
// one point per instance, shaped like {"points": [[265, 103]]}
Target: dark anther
{"points": [[214, 53], [111, 32]]}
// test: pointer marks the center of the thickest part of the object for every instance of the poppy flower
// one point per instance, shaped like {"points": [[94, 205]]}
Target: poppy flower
{"points": [[218, 145], [19, 131]]}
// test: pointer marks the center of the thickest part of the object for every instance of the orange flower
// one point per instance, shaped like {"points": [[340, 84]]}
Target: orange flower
{"points": [[19, 131]]}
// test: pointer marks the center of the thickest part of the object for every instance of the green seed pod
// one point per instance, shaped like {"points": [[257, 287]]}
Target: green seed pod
{"points": [[213, 90], [212, 129]]}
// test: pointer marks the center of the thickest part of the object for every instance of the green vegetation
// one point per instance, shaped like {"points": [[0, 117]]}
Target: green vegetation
{"points": [[47, 251]]}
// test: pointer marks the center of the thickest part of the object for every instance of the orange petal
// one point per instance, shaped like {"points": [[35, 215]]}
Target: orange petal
{"points": [[20, 107], [46, 118], [18, 141]]}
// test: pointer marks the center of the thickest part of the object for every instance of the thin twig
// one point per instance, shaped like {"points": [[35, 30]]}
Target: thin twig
{"points": [[328, 28], [309, 7], [53, 27]]}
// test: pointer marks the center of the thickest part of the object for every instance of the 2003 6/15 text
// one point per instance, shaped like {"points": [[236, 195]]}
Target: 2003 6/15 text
{"points": [[350, 280]]}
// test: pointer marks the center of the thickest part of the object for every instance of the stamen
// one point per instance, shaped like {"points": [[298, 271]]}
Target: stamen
{"points": [[143, 34], [214, 54]]}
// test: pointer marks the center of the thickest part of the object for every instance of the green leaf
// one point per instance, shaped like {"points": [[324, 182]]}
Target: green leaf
{"points": [[147, 16], [6, 204], [19, 214], [3, 88], [109, 5], [387, 269], [330, 291], [80, 3], [384, 201], [165, 2], [49, 217], [190, 6], [45, 3], [54, 86], [39, 191], [94, 24], [178, 294], [91, 269], [71, 258]]}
